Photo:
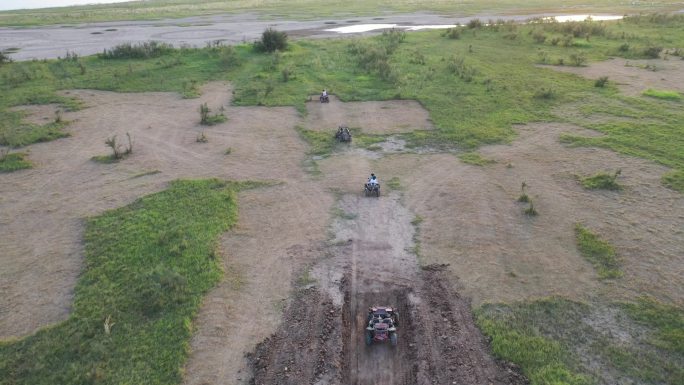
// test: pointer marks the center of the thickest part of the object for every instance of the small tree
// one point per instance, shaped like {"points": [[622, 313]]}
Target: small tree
{"points": [[271, 41]]}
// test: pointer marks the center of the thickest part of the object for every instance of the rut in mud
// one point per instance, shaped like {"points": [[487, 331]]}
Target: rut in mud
{"points": [[370, 262]]}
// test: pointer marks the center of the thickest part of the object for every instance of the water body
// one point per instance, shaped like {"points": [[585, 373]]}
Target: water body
{"points": [[6, 5], [359, 28]]}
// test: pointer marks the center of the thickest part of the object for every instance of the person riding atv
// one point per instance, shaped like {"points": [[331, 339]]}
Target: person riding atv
{"points": [[324, 97], [372, 186]]}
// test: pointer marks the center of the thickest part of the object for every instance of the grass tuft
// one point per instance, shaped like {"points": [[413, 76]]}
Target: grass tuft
{"points": [[475, 159], [598, 252], [602, 181], [13, 162], [664, 95]]}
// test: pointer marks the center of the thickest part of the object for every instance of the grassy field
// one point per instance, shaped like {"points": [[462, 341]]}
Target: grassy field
{"points": [[148, 266], [475, 81], [162, 9]]}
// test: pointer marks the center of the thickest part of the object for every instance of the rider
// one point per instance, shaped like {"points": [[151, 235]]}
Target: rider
{"points": [[324, 93], [372, 181]]}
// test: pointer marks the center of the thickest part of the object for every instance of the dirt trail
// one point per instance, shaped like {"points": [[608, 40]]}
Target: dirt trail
{"points": [[370, 262]]}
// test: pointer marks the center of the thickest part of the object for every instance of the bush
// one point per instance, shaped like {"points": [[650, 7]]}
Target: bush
{"points": [[458, 66], [474, 23], [228, 58], [601, 82], [578, 59], [144, 50], [652, 52], [544, 93], [271, 41], [4, 58], [602, 181], [452, 33], [539, 37], [623, 47]]}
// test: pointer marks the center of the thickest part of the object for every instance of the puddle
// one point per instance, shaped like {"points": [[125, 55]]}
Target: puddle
{"points": [[374, 27]]}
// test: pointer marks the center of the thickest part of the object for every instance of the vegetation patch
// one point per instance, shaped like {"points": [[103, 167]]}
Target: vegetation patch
{"points": [[209, 119], [394, 183], [474, 159], [661, 94], [598, 252], [602, 181], [13, 162], [667, 322], [147, 267], [674, 180], [558, 341]]}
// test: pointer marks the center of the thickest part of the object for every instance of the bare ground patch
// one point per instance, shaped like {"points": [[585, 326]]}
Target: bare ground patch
{"points": [[634, 76], [41, 209], [386, 117]]}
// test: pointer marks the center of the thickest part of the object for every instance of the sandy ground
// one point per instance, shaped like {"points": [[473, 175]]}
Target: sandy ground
{"points": [[389, 117], [633, 77], [358, 250]]}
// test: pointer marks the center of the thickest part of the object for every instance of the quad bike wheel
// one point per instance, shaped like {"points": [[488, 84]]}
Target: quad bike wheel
{"points": [[369, 338], [393, 339]]}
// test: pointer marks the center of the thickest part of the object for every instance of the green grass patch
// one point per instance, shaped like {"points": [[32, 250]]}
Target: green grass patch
{"points": [[147, 267], [320, 143], [661, 94], [674, 180], [13, 162], [598, 252], [666, 320], [475, 159], [601, 181], [105, 159], [394, 183], [542, 359], [558, 341]]}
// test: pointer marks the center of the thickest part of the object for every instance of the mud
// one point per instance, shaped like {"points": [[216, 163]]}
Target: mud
{"points": [[370, 263]]}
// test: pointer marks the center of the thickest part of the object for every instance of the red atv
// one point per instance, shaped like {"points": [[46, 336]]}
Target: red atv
{"points": [[382, 325]]}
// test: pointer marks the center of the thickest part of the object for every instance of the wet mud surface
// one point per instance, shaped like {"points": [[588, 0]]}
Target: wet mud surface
{"points": [[370, 263]]}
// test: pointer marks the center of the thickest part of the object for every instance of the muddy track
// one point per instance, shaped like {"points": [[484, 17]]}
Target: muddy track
{"points": [[321, 340]]}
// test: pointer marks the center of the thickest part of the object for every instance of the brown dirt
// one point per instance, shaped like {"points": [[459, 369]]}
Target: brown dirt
{"points": [[635, 76], [39, 114], [387, 117]]}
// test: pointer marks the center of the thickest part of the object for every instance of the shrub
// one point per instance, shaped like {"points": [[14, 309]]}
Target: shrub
{"points": [[452, 33], [228, 58], [144, 50], [544, 93], [539, 37], [209, 120], [271, 41], [555, 41], [624, 47], [602, 181], [474, 23], [458, 66], [652, 52], [578, 59], [4, 58], [601, 82]]}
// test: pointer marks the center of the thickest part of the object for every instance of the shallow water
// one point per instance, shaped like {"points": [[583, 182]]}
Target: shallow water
{"points": [[359, 28]]}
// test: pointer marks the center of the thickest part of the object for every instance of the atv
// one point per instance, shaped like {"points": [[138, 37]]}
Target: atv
{"points": [[382, 325]]}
